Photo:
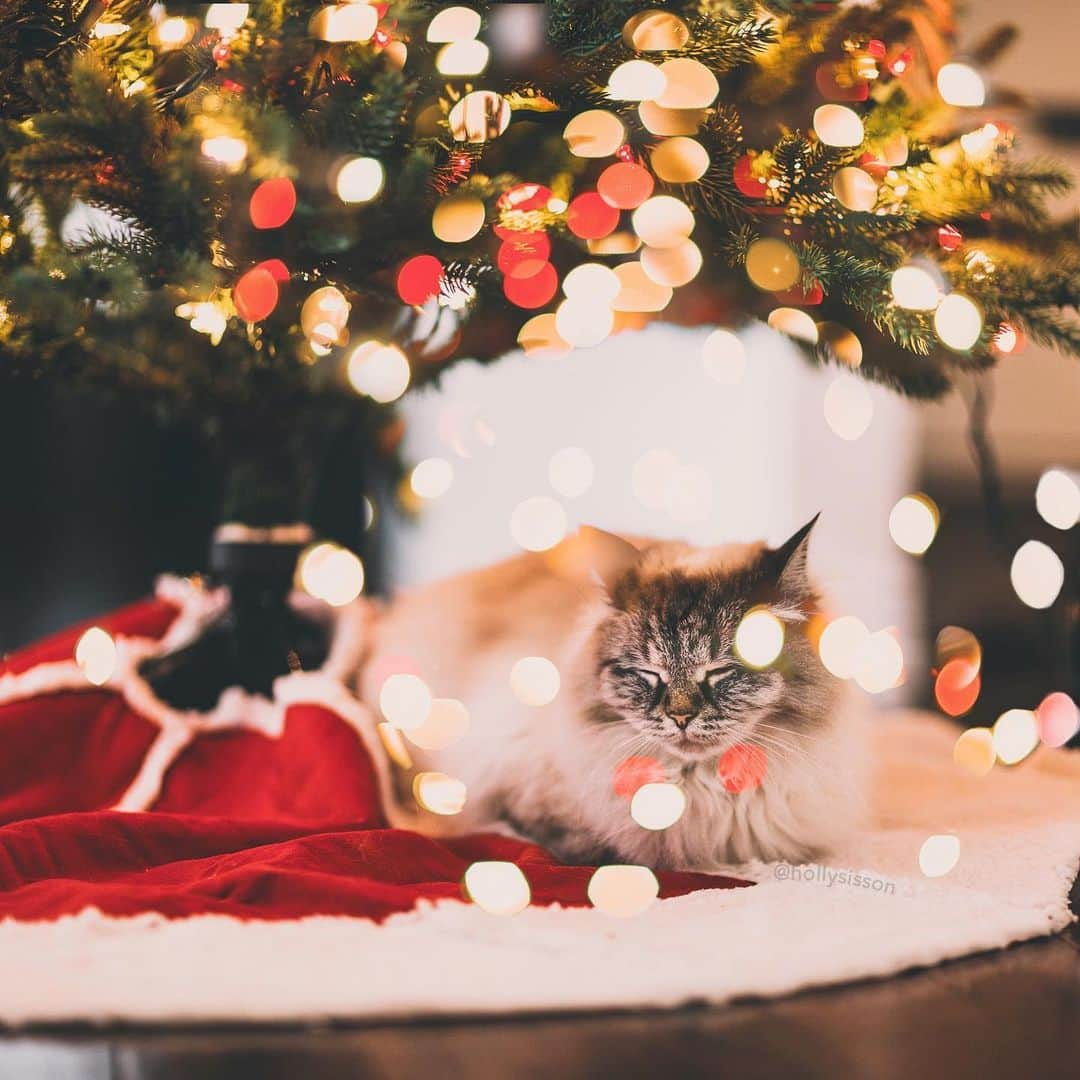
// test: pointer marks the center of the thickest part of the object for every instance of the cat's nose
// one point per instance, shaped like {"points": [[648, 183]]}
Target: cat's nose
{"points": [[682, 719]]}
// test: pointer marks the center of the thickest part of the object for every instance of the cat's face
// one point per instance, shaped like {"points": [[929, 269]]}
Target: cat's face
{"points": [[667, 661]]}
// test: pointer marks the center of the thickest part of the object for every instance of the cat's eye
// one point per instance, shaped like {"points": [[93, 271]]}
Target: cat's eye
{"points": [[648, 676], [715, 676]]}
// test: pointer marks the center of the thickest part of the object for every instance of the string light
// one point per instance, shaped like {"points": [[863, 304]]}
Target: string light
{"points": [[538, 523], [759, 638], [1057, 499], [663, 221], [1037, 574], [359, 180], [431, 478], [655, 31], [958, 322], [454, 24], [173, 32], [880, 664], [841, 644], [939, 854], [660, 121], [636, 80], [540, 338], [595, 133], [499, 888], [623, 891], [638, 292], [378, 370], [439, 794], [724, 357], [344, 22], [672, 266], [794, 323], [331, 573], [680, 160], [479, 116], [535, 681], [657, 806], [405, 701], [973, 751], [689, 84], [205, 317], [582, 323], [855, 189], [458, 220], [446, 722], [95, 653], [960, 85], [837, 125], [110, 29], [1016, 734], [227, 18], [913, 288], [913, 523], [226, 150], [591, 282], [462, 58]]}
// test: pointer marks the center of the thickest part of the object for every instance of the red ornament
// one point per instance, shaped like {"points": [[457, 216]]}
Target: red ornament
{"points": [[746, 181], [589, 217], [901, 62], [635, 772], [876, 48], [832, 88], [524, 197], [742, 767], [625, 185], [626, 153], [272, 203], [381, 38], [874, 165], [255, 295], [276, 269], [524, 254], [419, 279], [808, 298], [949, 237], [532, 292]]}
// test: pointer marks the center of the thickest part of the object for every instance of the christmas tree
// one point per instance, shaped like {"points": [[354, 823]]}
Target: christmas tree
{"points": [[292, 212]]}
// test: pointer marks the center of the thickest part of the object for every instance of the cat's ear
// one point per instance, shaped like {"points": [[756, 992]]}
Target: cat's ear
{"points": [[595, 556], [789, 563]]}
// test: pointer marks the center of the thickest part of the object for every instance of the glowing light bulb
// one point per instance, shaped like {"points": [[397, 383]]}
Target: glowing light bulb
{"points": [[913, 523], [958, 322], [344, 22], [331, 573], [463, 58], [848, 407], [95, 653], [432, 477], [582, 323], [1058, 717], [672, 266], [794, 323], [571, 471], [595, 133], [939, 854], [405, 701], [173, 31], [623, 891], [538, 523], [1037, 574], [591, 282], [724, 357], [454, 24], [759, 638], [689, 84], [961, 85], [837, 125], [636, 80], [228, 18], [359, 180], [380, 371], [1057, 498], [663, 221], [841, 644], [880, 665], [657, 806], [499, 888], [225, 149], [913, 288], [974, 751], [535, 681], [446, 723], [680, 160], [1016, 734], [439, 794], [110, 29]]}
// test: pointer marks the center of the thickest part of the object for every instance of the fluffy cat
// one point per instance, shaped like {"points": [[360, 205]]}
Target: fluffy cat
{"points": [[643, 637]]}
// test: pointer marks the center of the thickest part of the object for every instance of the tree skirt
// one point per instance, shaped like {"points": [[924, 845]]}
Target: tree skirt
{"points": [[158, 866]]}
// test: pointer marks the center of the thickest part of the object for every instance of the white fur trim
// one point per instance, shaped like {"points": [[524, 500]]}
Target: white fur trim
{"points": [[236, 708]]}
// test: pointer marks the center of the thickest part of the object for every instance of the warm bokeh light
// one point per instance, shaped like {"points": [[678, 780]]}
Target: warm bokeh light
{"points": [[623, 891], [1037, 574], [855, 188], [583, 323], [228, 150], [657, 806], [458, 220], [655, 31], [344, 22], [500, 888], [638, 291], [1057, 498], [689, 84], [957, 687], [840, 343], [772, 265], [837, 125], [759, 638], [535, 681], [913, 523], [1058, 719], [636, 80], [112, 29], [961, 85], [595, 133], [660, 121], [359, 180], [625, 185], [378, 370], [272, 203], [479, 116], [915, 289], [880, 664], [571, 471], [538, 523], [394, 745], [633, 772], [463, 58], [794, 323], [534, 291], [405, 700], [973, 751], [255, 294], [439, 794], [331, 573], [453, 24], [651, 477], [540, 338], [95, 653], [672, 266], [688, 496], [591, 282], [1016, 734], [174, 31], [958, 322], [228, 18], [446, 722], [724, 357], [680, 160], [419, 279], [841, 644], [663, 221], [848, 407], [939, 854], [431, 477], [742, 767]]}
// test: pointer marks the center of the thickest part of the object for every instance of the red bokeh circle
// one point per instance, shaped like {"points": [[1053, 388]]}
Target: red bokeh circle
{"points": [[272, 203], [255, 295], [419, 279]]}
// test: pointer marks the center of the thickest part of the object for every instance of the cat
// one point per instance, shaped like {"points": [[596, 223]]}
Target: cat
{"points": [[642, 634]]}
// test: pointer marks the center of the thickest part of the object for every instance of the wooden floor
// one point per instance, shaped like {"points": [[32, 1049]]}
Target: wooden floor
{"points": [[1008, 1014]]}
